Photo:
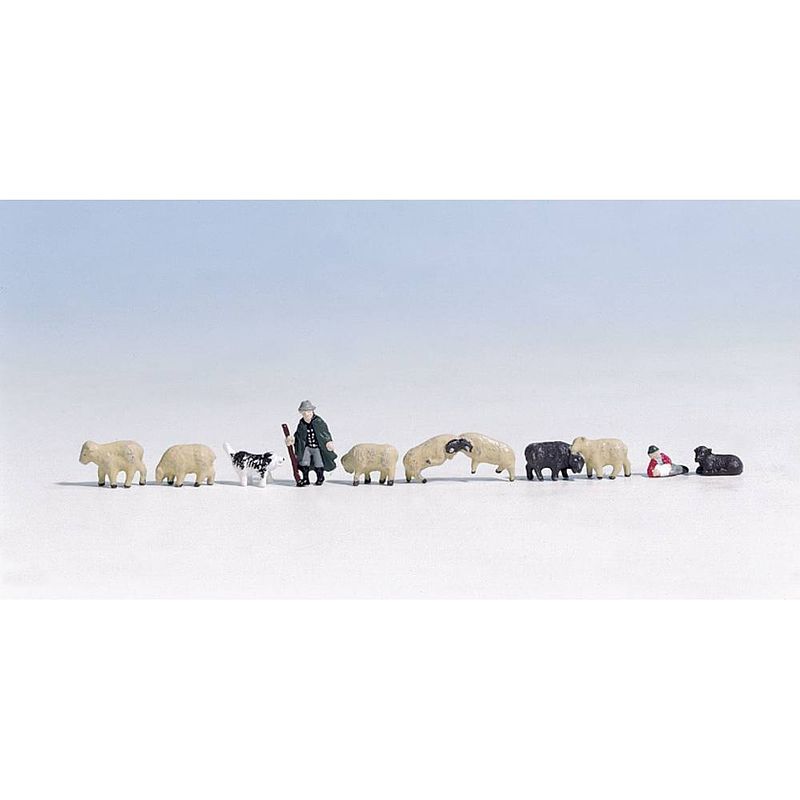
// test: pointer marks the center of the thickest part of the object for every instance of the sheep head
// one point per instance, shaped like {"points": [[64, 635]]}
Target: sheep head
{"points": [[347, 461], [457, 445], [576, 462], [88, 452], [578, 444]]}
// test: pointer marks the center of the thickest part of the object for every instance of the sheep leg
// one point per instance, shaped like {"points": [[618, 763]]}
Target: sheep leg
{"points": [[511, 475], [129, 473], [367, 477], [112, 478], [201, 477], [565, 474], [553, 473], [179, 476], [598, 471], [529, 472], [627, 467], [382, 478], [170, 480], [263, 482], [355, 478], [390, 476], [243, 478], [142, 474], [474, 467], [101, 476]]}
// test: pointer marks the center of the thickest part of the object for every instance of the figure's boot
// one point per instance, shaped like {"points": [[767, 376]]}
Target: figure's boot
{"points": [[320, 476], [304, 471]]}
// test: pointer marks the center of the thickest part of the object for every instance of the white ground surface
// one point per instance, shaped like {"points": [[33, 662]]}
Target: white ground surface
{"points": [[455, 537], [449, 538]]}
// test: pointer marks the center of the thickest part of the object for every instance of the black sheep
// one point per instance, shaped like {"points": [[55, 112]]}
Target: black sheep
{"points": [[555, 456], [712, 464]]}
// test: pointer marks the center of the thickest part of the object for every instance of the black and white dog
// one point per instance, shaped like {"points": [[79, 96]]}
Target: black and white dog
{"points": [[253, 465]]}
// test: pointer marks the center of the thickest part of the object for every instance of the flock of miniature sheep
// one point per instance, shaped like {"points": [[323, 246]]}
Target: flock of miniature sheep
{"points": [[361, 460]]}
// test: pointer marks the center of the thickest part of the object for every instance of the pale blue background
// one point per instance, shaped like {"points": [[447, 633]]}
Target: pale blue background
{"points": [[492, 271], [413, 305]]}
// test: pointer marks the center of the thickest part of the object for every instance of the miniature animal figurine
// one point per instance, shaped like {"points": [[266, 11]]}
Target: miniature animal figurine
{"points": [[363, 459], [600, 453], [482, 449], [181, 460], [254, 466], [458, 445], [713, 464], [555, 456], [661, 465], [430, 453], [313, 444], [115, 457]]}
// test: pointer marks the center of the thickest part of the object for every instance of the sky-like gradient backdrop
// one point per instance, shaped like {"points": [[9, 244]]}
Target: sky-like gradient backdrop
{"points": [[194, 308]]}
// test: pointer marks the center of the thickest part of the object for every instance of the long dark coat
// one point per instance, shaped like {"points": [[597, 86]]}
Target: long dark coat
{"points": [[323, 437]]}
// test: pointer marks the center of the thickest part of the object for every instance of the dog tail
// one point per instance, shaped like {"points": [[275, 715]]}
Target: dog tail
{"points": [[228, 449]]}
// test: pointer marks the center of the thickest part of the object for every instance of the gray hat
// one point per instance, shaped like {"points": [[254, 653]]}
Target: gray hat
{"points": [[306, 405], [652, 449]]}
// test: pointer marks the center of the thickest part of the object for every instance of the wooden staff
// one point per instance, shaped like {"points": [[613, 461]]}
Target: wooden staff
{"points": [[292, 457]]}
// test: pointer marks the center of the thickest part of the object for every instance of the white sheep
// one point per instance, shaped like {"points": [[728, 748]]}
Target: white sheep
{"points": [[600, 453], [483, 449], [362, 459], [181, 460], [431, 453], [115, 457]]}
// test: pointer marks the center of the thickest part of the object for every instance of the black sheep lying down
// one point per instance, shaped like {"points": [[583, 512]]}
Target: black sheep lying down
{"points": [[713, 464], [555, 456]]}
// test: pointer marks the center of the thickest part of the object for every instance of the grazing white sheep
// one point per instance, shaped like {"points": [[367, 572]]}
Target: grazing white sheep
{"points": [[600, 453], [115, 457], [181, 460], [431, 453], [362, 459], [482, 449]]}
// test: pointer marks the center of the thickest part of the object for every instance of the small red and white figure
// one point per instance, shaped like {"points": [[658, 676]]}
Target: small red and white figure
{"points": [[661, 465]]}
